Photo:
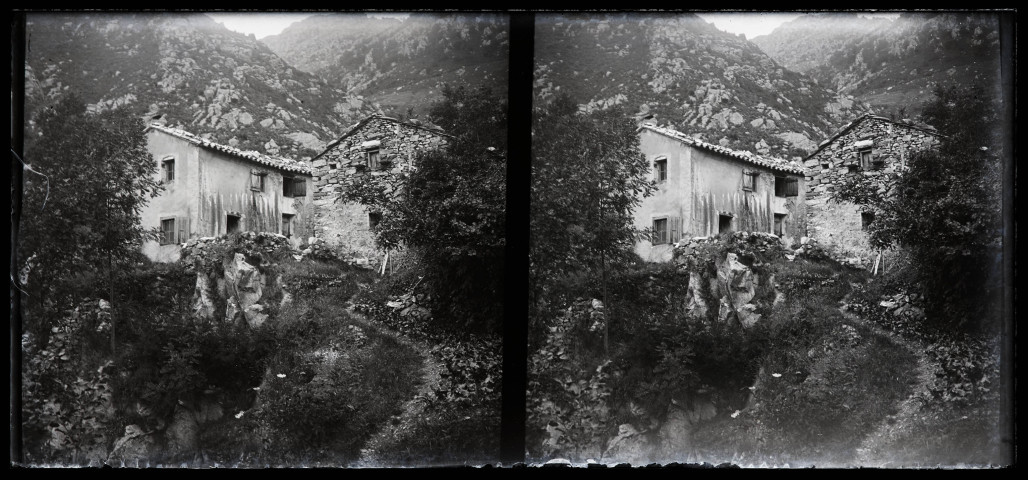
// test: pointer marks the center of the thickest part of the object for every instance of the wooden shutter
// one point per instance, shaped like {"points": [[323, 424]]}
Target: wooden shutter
{"points": [[792, 187], [674, 229], [300, 187]]}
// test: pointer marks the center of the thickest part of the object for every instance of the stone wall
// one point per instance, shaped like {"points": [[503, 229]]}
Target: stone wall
{"points": [[837, 226], [346, 227]]}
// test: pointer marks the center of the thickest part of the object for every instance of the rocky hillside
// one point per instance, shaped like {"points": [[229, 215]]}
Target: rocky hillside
{"points": [[889, 64], [190, 72], [399, 64], [690, 76]]}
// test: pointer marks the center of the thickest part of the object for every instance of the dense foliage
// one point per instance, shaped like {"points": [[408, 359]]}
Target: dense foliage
{"points": [[452, 210], [91, 175], [587, 177], [945, 208]]}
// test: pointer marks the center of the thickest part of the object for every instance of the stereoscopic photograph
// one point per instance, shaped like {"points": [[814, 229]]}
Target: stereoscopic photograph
{"points": [[291, 239]]}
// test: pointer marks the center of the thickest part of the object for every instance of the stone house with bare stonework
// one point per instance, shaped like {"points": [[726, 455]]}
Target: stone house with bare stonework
{"points": [[212, 189], [379, 146], [705, 189], [870, 145]]}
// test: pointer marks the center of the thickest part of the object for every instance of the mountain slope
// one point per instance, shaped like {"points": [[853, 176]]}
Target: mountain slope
{"points": [[688, 74], [399, 64], [890, 64], [190, 72]]}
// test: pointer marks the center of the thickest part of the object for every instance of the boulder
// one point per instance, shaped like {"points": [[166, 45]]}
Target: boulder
{"points": [[135, 446], [183, 433], [244, 282], [736, 280], [676, 433], [748, 315], [255, 316], [694, 297], [203, 303], [629, 446], [232, 311]]}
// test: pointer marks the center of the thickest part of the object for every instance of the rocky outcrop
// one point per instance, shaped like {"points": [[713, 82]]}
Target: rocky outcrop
{"points": [[188, 70], [244, 284], [629, 445], [736, 281], [676, 432]]}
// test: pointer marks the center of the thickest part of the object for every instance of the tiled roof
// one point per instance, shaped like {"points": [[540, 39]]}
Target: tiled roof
{"points": [[767, 162], [253, 156], [859, 119], [357, 126]]}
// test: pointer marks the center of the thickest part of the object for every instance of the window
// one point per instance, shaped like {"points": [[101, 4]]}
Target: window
{"points": [[168, 170], [659, 231], [373, 159], [287, 224], [865, 157], [257, 180], [866, 218], [779, 224], [232, 223], [724, 223], [660, 170], [374, 218], [294, 187], [167, 231], [749, 181], [786, 187]]}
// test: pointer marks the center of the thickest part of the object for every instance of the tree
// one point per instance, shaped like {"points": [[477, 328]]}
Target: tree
{"points": [[945, 207], [588, 176], [451, 212], [92, 176]]}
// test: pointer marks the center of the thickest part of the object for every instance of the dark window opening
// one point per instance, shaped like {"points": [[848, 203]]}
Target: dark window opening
{"points": [[866, 218], [852, 168], [779, 224], [287, 224], [786, 187], [168, 170], [294, 187], [168, 231], [257, 180], [373, 160], [724, 223], [749, 181], [865, 158], [660, 236], [232, 223], [660, 170], [374, 218]]}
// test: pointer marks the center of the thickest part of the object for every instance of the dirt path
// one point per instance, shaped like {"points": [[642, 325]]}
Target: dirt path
{"points": [[395, 430], [873, 450]]}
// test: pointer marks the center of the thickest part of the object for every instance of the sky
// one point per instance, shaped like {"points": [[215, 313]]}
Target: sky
{"points": [[756, 24], [750, 24], [265, 24]]}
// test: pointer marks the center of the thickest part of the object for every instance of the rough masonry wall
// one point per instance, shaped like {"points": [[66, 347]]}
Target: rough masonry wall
{"points": [[837, 225], [345, 227]]}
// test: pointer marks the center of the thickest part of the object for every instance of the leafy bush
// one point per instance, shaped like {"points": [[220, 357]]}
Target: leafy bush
{"points": [[324, 403], [945, 209], [67, 396]]}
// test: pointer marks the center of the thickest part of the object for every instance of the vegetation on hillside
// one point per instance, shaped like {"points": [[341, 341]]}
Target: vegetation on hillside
{"points": [[945, 209], [451, 213]]}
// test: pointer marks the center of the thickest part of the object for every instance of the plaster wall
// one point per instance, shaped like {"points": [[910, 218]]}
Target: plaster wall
{"points": [[209, 186], [702, 185]]}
